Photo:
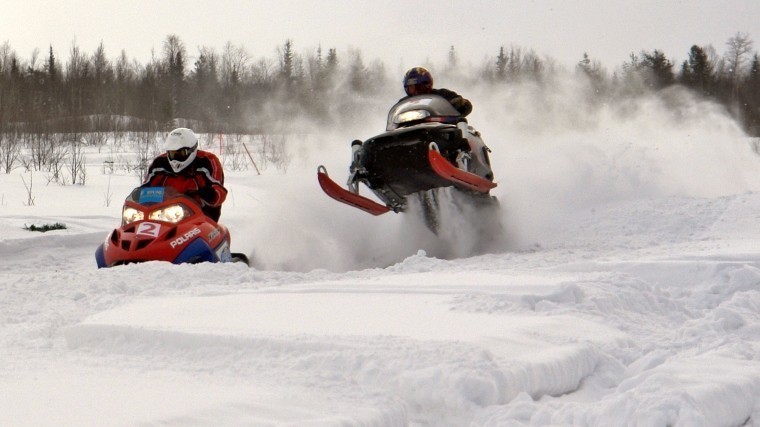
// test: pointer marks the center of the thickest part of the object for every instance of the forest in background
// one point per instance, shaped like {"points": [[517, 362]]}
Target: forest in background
{"points": [[45, 101]]}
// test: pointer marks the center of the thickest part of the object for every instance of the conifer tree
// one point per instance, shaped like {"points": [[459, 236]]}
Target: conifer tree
{"points": [[660, 69], [697, 71], [501, 65]]}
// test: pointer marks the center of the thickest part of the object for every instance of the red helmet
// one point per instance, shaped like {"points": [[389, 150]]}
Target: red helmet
{"points": [[418, 81]]}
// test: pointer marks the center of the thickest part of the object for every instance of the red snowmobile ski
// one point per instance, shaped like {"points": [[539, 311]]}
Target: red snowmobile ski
{"points": [[457, 176], [348, 197]]}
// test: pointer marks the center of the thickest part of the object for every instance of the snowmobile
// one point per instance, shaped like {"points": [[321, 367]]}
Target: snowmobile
{"points": [[161, 224], [427, 145]]}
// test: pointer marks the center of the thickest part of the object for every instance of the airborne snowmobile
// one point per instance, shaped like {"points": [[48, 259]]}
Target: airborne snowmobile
{"points": [[427, 145], [161, 224]]}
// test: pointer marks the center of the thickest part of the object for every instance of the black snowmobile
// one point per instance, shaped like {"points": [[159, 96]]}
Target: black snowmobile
{"points": [[427, 145]]}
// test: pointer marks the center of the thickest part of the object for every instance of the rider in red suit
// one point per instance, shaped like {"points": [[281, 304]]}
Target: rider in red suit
{"points": [[191, 171]]}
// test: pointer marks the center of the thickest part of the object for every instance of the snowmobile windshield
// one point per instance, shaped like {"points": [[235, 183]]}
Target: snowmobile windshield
{"points": [[421, 109], [153, 195]]}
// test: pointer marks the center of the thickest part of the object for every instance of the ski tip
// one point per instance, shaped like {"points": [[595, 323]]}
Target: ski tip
{"points": [[352, 199], [446, 170]]}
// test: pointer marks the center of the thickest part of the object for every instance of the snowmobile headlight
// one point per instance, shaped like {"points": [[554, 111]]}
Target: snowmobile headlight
{"points": [[130, 215], [410, 116], [172, 213]]}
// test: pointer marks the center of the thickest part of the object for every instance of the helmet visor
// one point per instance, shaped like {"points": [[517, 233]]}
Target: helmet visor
{"points": [[182, 154], [417, 89]]}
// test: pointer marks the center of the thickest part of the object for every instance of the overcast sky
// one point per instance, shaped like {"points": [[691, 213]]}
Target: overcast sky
{"points": [[400, 33]]}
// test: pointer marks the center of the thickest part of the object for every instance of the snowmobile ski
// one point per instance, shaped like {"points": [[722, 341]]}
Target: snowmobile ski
{"points": [[340, 194], [446, 170]]}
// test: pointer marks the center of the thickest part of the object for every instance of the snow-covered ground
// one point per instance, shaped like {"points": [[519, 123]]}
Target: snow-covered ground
{"points": [[625, 290]]}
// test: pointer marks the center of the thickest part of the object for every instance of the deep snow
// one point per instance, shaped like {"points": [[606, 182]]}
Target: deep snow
{"points": [[624, 291]]}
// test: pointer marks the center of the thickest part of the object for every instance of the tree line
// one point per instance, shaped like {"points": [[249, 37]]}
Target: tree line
{"points": [[231, 92], [731, 79]]}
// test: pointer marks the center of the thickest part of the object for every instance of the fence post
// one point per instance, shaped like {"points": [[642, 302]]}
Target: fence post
{"points": [[251, 157]]}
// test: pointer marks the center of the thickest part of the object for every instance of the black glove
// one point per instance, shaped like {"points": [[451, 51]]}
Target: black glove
{"points": [[207, 194], [457, 102]]}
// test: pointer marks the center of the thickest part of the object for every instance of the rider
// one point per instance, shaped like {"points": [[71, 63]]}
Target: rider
{"points": [[190, 171], [419, 81]]}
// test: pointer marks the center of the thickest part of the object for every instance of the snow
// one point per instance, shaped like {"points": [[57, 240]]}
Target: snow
{"points": [[624, 290]]}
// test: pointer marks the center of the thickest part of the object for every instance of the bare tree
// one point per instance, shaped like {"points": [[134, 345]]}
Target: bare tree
{"points": [[77, 162], [737, 55], [29, 196], [57, 159], [534, 67], [77, 70], [10, 149], [234, 63], [125, 76], [357, 72], [102, 94]]}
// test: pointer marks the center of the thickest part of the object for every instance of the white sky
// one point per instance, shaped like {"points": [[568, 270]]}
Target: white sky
{"points": [[400, 33]]}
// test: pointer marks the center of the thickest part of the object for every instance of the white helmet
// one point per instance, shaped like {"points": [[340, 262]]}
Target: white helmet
{"points": [[181, 148]]}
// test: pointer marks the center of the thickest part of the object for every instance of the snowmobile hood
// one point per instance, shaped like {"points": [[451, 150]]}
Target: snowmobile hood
{"points": [[422, 109]]}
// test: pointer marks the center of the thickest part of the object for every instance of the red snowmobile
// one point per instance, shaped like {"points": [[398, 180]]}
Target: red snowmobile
{"points": [[427, 145], [161, 224]]}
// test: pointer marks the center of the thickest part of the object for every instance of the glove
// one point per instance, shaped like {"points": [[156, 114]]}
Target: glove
{"points": [[457, 102], [208, 195]]}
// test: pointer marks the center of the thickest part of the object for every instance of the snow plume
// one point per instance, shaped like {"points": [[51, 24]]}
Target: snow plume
{"points": [[556, 153], [310, 230], [313, 231]]}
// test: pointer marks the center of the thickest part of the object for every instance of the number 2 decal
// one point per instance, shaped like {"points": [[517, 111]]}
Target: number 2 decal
{"points": [[148, 229]]}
